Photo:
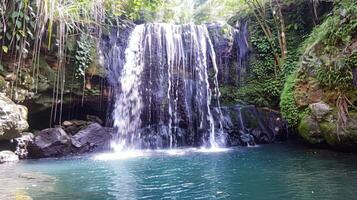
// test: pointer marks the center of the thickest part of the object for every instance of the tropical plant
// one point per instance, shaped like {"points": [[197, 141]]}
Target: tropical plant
{"points": [[52, 22]]}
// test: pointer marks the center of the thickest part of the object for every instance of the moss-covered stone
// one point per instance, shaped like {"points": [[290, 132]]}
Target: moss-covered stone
{"points": [[329, 131], [309, 129]]}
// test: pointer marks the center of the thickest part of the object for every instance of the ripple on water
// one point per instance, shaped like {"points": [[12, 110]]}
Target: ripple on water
{"points": [[276, 172]]}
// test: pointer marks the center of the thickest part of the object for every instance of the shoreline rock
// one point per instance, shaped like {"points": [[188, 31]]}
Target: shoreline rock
{"points": [[13, 118], [55, 142], [8, 156], [51, 142]]}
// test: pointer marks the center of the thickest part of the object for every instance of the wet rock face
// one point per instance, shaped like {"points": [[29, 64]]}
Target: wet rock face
{"points": [[247, 125], [13, 118], [232, 51]]}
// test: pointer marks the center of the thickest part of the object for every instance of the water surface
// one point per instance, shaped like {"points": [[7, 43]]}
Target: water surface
{"points": [[277, 171]]}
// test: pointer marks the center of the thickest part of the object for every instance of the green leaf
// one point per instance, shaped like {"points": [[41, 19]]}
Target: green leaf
{"points": [[33, 24], [18, 24], [5, 49], [8, 36], [14, 14]]}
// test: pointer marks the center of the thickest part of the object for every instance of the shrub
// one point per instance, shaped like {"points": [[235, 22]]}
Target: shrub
{"points": [[288, 105]]}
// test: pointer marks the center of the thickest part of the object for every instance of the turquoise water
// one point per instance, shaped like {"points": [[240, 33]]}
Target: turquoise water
{"points": [[278, 171]]}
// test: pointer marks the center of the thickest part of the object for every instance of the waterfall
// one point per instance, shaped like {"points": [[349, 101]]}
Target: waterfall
{"points": [[128, 101], [166, 88]]}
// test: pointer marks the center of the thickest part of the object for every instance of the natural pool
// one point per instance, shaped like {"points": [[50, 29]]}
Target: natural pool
{"points": [[277, 171]]}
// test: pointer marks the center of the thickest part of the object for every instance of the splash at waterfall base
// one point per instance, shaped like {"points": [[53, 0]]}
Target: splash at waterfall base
{"points": [[244, 125]]}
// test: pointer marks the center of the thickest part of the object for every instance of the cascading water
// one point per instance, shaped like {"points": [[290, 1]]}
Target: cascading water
{"points": [[166, 88], [128, 102]]}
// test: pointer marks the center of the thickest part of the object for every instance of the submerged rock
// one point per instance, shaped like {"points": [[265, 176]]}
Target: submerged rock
{"points": [[51, 142], [8, 156], [13, 118]]}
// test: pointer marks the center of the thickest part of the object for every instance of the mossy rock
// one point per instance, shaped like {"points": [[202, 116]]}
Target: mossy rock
{"points": [[327, 132], [343, 140], [309, 129]]}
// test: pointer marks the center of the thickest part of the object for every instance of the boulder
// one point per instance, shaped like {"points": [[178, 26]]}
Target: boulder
{"points": [[74, 126], [309, 129], [51, 142], [261, 137], [13, 118], [8, 156], [94, 119], [319, 110], [247, 139], [263, 125], [22, 144], [93, 137]]}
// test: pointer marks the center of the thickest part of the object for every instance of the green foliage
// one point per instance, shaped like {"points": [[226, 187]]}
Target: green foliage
{"points": [[141, 9], [228, 95], [253, 93], [263, 93], [273, 88], [290, 65], [329, 40], [336, 75], [337, 30], [83, 55], [352, 60], [261, 44], [198, 11], [18, 25], [288, 105], [264, 84]]}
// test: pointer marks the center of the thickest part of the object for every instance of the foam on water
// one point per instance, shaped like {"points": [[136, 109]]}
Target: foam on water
{"points": [[132, 154]]}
